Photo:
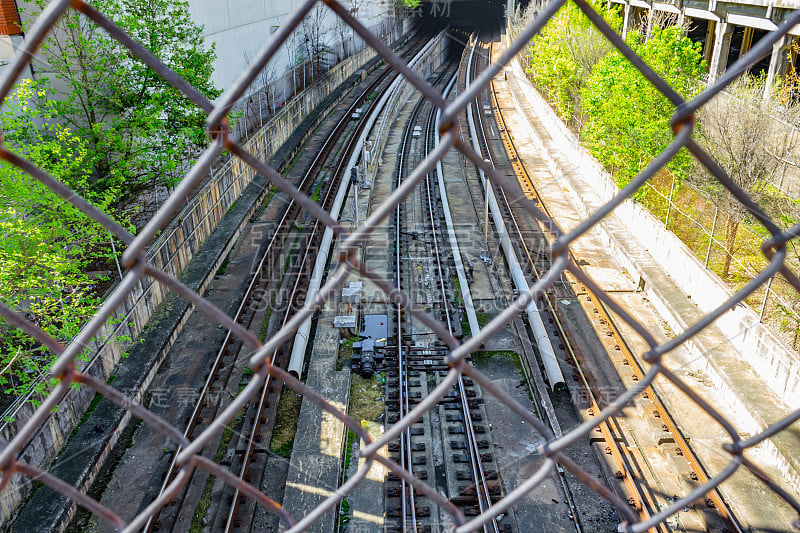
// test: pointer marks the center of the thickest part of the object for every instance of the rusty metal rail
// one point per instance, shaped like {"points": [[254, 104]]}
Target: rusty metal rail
{"points": [[346, 261], [716, 500], [639, 499]]}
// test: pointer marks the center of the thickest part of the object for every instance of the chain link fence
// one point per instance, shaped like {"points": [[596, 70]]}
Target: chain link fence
{"points": [[773, 247]]}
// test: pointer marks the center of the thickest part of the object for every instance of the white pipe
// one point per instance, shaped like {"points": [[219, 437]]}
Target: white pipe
{"points": [[541, 337], [466, 295], [297, 359]]}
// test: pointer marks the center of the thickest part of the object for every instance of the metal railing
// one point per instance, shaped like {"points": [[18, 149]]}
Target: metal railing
{"points": [[138, 267]]}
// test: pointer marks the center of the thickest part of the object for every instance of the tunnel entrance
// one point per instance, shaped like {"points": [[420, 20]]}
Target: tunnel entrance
{"points": [[462, 15]]}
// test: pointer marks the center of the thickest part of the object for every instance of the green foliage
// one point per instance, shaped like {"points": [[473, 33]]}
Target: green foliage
{"points": [[140, 130], [565, 53], [628, 119], [103, 123], [45, 243]]}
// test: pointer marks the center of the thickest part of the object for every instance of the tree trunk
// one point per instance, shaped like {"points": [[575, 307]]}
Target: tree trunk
{"points": [[731, 229]]}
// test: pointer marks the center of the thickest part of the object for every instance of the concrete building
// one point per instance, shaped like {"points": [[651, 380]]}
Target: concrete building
{"points": [[11, 34], [238, 28], [727, 29]]}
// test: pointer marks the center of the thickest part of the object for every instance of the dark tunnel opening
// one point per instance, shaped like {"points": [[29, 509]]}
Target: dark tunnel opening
{"points": [[460, 17]]}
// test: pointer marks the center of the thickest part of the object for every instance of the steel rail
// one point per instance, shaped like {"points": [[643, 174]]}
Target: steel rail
{"points": [[561, 473], [565, 483], [479, 476], [534, 319], [624, 467], [254, 430], [276, 242], [339, 174], [719, 503], [406, 492], [688, 452], [716, 498], [683, 121], [297, 357], [407, 500]]}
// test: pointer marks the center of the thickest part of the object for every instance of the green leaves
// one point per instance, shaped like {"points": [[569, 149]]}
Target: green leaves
{"points": [[628, 119], [45, 243], [141, 131], [564, 54], [622, 118], [107, 126]]}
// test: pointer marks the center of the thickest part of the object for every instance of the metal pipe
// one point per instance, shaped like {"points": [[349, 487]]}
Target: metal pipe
{"points": [[541, 337]]}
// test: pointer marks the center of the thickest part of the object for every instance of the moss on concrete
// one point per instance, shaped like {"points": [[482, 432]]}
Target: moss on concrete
{"points": [[285, 428]]}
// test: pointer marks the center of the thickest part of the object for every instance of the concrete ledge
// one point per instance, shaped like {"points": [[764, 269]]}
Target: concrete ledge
{"points": [[315, 464]]}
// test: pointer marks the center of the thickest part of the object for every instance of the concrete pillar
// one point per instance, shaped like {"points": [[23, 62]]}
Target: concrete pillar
{"points": [[722, 47], [626, 20], [777, 64], [709, 44]]}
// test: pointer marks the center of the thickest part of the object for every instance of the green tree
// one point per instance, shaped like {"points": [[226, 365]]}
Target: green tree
{"points": [[46, 244], [140, 130], [564, 54], [628, 119]]}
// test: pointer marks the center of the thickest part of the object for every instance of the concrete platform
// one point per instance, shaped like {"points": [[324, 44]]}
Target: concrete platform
{"points": [[316, 456]]}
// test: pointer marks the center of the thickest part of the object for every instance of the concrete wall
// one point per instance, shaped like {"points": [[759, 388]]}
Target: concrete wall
{"points": [[774, 362], [172, 251], [240, 28]]}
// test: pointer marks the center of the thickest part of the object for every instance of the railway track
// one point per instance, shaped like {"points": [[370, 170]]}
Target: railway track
{"points": [[534, 259], [456, 429], [622, 462], [297, 295], [266, 281], [628, 459]]}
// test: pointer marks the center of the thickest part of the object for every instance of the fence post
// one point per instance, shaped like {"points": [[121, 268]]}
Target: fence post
{"points": [[711, 240], [669, 203], [783, 172], [766, 297]]}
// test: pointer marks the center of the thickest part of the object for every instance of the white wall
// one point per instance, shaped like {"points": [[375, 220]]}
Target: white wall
{"points": [[240, 28]]}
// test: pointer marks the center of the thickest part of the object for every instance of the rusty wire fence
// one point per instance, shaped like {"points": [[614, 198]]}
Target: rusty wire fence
{"points": [[137, 267]]}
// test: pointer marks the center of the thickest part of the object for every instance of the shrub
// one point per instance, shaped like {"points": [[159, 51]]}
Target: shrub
{"points": [[627, 117]]}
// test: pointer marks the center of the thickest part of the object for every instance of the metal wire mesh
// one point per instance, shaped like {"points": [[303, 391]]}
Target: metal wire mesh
{"points": [[137, 267]]}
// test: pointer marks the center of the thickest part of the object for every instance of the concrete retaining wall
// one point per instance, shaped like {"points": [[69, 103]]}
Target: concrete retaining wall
{"points": [[774, 362], [172, 252]]}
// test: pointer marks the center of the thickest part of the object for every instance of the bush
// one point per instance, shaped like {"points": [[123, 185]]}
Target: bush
{"points": [[564, 54], [46, 244], [627, 118]]}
